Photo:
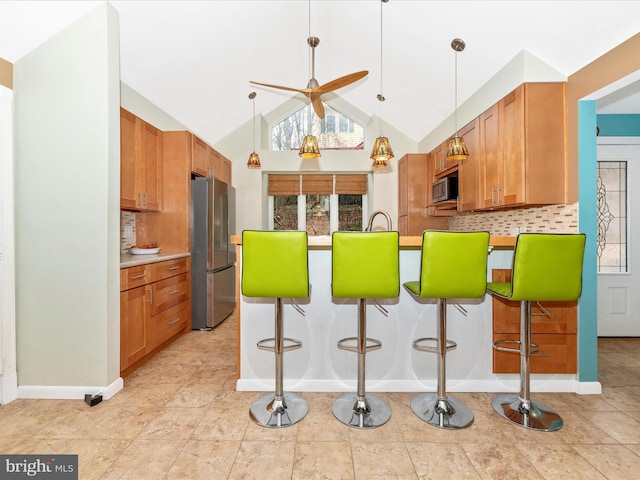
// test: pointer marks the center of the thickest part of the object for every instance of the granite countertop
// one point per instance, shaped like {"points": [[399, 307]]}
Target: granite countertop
{"points": [[129, 260]]}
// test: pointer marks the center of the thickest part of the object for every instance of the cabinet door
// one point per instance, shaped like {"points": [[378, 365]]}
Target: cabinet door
{"points": [[469, 169], [133, 326], [200, 157], [152, 166], [402, 225], [491, 161], [224, 170], [213, 163], [439, 157], [129, 150], [512, 180], [402, 187]]}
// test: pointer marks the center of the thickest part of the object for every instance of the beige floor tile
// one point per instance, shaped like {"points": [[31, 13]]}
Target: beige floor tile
{"points": [[265, 460], [227, 419], [204, 459], [96, 456], [125, 423], [559, 462], [579, 428], [626, 399], [172, 423], [441, 461], [320, 425], [146, 394], [388, 433], [617, 461], [499, 461], [382, 461], [322, 460], [194, 395], [145, 460], [581, 403], [214, 374], [620, 426], [634, 448], [71, 424]]}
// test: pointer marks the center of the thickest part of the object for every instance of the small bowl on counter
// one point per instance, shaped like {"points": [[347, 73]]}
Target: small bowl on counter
{"points": [[144, 251]]}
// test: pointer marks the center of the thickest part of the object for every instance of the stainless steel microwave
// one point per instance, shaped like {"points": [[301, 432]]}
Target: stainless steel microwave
{"points": [[445, 189]]}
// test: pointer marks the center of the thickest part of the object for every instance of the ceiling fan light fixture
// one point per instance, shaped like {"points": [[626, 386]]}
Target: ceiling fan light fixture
{"points": [[309, 148], [457, 150]]}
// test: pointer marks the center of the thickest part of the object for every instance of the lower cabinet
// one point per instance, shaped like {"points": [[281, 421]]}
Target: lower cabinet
{"points": [[553, 329], [154, 313]]}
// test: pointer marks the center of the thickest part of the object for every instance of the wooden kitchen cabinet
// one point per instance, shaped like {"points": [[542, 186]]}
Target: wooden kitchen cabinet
{"points": [[223, 172], [523, 148], [140, 164], [154, 313], [199, 157], [469, 169], [553, 328]]}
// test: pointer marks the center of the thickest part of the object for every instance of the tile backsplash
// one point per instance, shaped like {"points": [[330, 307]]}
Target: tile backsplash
{"points": [[548, 219], [127, 220]]}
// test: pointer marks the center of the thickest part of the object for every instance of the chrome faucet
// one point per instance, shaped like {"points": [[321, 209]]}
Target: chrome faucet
{"points": [[373, 215]]}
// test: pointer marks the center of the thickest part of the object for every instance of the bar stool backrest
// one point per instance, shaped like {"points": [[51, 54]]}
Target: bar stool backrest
{"points": [[453, 264], [275, 264], [365, 264], [547, 266]]}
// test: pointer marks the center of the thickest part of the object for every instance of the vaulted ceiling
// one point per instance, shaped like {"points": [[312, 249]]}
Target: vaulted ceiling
{"points": [[194, 59]]}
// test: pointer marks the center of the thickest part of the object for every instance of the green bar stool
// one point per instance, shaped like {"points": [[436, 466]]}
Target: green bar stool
{"points": [[546, 267], [363, 265], [275, 265], [452, 265]]}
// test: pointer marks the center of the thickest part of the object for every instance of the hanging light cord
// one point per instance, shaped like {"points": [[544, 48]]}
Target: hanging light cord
{"points": [[309, 112], [380, 95], [253, 101], [455, 95]]}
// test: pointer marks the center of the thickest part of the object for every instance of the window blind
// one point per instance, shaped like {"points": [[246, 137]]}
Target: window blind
{"points": [[317, 184], [351, 184], [284, 184]]}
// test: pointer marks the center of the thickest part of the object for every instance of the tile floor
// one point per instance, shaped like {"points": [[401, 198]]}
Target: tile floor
{"points": [[178, 417]]}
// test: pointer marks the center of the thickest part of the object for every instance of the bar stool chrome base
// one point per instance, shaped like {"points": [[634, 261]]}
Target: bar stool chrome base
{"points": [[268, 411], [445, 413], [370, 413], [535, 416]]}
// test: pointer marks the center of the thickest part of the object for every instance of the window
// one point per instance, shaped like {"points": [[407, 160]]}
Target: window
{"points": [[611, 239], [317, 203], [334, 132]]}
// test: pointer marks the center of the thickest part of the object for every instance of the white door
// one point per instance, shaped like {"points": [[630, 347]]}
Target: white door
{"points": [[619, 292]]}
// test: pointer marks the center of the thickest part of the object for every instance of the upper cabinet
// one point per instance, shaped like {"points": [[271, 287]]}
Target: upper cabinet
{"points": [[469, 169], [523, 148], [207, 162], [140, 164]]}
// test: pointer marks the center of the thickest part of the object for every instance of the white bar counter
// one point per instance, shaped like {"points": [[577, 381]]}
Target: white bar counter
{"points": [[320, 366]]}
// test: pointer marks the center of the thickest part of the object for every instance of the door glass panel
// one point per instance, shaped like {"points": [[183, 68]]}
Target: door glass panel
{"points": [[318, 215], [350, 213], [285, 212], [611, 241]]}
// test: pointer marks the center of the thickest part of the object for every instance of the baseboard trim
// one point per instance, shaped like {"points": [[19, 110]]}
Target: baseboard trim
{"points": [[8, 388], [60, 392]]}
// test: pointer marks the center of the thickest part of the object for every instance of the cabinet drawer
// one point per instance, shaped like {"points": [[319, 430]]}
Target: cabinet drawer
{"points": [[169, 292], [133, 277], [167, 324], [169, 268], [560, 350]]}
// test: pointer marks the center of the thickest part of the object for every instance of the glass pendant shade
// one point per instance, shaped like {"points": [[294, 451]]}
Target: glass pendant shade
{"points": [[457, 150], [254, 161], [309, 148], [381, 152]]}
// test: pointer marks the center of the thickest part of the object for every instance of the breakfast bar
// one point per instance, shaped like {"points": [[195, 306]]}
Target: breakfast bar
{"points": [[320, 366]]}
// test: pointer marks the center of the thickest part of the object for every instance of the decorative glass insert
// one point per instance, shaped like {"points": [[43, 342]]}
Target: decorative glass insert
{"points": [[611, 241], [334, 132], [350, 213], [318, 215], [285, 212]]}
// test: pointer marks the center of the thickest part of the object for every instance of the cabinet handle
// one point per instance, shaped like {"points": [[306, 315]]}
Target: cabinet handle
{"points": [[140, 204], [146, 200], [173, 322], [499, 188], [137, 277], [175, 267], [493, 202], [150, 295], [173, 292]]}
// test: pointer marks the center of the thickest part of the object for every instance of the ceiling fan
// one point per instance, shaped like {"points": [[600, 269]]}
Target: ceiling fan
{"points": [[314, 90]]}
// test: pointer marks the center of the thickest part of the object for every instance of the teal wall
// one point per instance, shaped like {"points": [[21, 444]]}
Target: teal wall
{"points": [[587, 217], [619, 125]]}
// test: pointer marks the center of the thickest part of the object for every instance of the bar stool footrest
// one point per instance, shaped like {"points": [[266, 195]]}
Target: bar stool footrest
{"points": [[420, 345], [497, 346], [371, 344], [269, 344]]}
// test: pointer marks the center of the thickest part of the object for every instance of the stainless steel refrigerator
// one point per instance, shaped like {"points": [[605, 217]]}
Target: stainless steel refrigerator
{"points": [[213, 256]]}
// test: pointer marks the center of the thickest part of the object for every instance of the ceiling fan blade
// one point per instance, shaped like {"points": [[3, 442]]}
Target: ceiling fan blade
{"points": [[306, 91], [317, 105], [340, 82]]}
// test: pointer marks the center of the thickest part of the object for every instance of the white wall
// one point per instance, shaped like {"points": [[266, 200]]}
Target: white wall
{"points": [[67, 188]]}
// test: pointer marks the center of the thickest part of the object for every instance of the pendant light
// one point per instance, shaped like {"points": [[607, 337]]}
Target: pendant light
{"points": [[457, 150], [309, 147], [254, 159], [382, 150]]}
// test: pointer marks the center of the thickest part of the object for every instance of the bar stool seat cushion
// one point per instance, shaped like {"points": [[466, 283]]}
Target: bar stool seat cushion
{"points": [[275, 264]]}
